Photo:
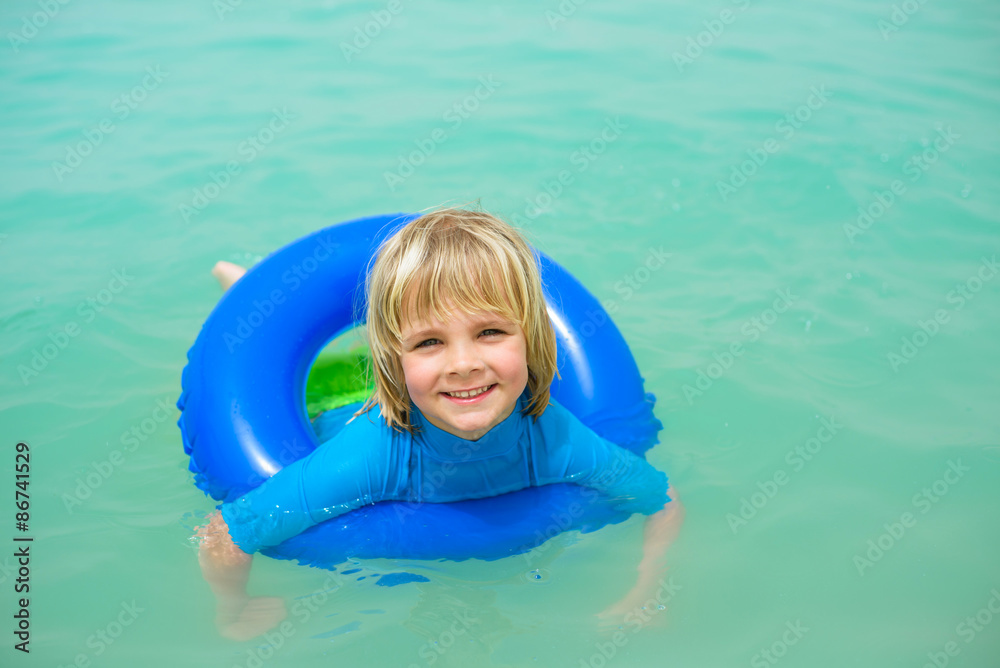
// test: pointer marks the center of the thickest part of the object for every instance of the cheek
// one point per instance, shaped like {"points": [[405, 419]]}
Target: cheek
{"points": [[416, 375], [516, 363]]}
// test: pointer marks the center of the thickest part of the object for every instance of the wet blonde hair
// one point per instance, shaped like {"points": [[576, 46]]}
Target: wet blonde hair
{"points": [[475, 262]]}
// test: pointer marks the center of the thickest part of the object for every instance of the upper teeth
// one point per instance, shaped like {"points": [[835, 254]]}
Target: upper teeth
{"points": [[470, 393]]}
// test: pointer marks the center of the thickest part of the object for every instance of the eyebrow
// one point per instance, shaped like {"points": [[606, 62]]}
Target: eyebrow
{"points": [[486, 322]]}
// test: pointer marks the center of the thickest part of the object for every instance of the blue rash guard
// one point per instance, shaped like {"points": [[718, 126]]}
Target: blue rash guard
{"points": [[366, 461]]}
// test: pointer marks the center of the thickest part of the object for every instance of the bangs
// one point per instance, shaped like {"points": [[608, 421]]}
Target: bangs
{"points": [[466, 275]]}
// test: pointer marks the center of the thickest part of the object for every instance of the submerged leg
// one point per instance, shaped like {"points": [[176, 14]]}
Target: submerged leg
{"points": [[227, 273]]}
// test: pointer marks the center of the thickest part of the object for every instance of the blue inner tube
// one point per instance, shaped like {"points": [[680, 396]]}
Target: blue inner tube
{"points": [[243, 411]]}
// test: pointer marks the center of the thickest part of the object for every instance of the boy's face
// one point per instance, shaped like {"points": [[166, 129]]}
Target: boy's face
{"points": [[468, 353]]}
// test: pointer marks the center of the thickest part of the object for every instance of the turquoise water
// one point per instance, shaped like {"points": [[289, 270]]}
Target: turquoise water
{"points": [[807, 411]]}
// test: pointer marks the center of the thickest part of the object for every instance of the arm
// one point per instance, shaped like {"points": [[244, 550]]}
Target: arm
{"points": [[226, 569], [633, 487], [659, 533], [342, 474], [359, 466], [574, 453]]}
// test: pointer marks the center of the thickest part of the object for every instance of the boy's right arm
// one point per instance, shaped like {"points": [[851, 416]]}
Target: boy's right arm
{"points": [[357, 467]]}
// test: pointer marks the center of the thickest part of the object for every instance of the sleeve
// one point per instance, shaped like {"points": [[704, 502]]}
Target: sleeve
{"points": [[358, 466], [572, 452]]}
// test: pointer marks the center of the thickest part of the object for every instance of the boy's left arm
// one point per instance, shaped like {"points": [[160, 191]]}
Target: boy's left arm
{"points": [[650, 588], [574, 453]]}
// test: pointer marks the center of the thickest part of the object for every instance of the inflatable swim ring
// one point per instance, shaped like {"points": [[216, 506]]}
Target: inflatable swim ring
{"points": [[243, 411]]}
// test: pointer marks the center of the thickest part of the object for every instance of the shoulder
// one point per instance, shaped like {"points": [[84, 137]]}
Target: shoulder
{"points": [[348, 420], [363, 451], [363, 434], [558, 420], [557, 428]]}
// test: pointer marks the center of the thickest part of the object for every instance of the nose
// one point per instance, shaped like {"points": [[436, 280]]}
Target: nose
{"points": [[464, 358]]}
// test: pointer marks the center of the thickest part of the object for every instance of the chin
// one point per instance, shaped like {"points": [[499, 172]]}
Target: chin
{"points": [[471, 427]]}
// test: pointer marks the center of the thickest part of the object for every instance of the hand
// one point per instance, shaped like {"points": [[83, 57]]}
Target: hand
{"points": [[640, 606], [614, 615]]}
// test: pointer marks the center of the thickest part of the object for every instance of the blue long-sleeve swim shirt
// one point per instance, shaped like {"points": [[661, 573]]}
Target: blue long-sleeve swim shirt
{"points": [[366, 461]]}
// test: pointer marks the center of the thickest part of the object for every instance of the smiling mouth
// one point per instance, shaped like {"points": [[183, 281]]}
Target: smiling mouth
{"points": [[468, 394]]}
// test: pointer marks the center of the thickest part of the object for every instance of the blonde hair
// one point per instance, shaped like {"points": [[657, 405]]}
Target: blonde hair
{"points": [[475, 262]]}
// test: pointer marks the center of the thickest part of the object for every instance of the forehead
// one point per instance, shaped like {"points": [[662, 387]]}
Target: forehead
{"points": [[452, 316]]}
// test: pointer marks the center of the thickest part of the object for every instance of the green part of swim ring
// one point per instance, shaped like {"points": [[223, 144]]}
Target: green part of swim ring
{"points": [[337, 379]]}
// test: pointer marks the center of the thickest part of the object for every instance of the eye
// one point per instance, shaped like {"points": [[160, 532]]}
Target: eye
{"points": [[493, 332], [426, 343]]}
